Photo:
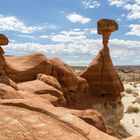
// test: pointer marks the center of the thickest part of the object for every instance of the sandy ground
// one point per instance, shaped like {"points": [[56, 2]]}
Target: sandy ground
{"points": [[131, 121]]}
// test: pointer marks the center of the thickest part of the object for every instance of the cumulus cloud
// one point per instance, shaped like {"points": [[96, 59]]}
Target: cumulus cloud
{"points": [[74, 17], [14, 24], [59, 48], [118, 3], [132, 7], [44, 36], [76, 45], [135, 30], [125, 50], [75, 35], [64, 38], [27, 36], [90, 3]]}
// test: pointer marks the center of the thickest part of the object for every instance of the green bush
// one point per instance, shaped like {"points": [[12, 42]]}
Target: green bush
{"points": [[128, 90], [137, 100], [135, 94], [132, 109]]}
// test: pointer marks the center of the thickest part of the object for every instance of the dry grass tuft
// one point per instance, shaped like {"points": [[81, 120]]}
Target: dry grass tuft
{"points": [[128, 90], [132, 109]]}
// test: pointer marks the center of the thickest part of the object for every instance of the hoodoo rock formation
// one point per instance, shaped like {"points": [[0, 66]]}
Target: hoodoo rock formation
{"points": [[42, 99], [104, 83]]}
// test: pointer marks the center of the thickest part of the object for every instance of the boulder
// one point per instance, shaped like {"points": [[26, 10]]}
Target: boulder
{"points": [[3, 40], [7, 92], [50, 81], [25, 68], [6, 80], [42, 89], [92, 117]]}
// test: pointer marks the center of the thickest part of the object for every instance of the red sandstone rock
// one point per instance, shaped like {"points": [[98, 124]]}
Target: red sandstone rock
{"points": [[104, 84], [102, 77], [7, 92], [6, 80], [36, 116], [2, 62], [78, 99], [29, 119], [133, 138], [25, 68], [3, 40], [42, 89], [50, 81], [64, 74], [92, 117]]}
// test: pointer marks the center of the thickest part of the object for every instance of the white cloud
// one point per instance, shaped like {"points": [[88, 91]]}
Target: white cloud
{"points": [[135, 30], [14, 24], [90, 3], [118, 3], [74, 17], [133, 8], [64, 38], [134, 15], [72, 32], [12, 41], [125, 43], [93, 31], [75, 36], [138, 1], [44, 36], [27, 36], [125, 50]]}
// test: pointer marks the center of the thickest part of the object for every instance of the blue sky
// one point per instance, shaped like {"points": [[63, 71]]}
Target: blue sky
{"points": [[67, 29]]}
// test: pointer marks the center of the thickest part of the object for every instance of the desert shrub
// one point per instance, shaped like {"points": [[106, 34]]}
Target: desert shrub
{"points": [[128, 90], [135, 94], [137, 100], [132, 109], [122, 94], [134, 85]]}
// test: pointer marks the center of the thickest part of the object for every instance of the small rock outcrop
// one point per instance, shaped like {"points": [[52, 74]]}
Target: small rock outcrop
{"points": [[3, 41]]}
